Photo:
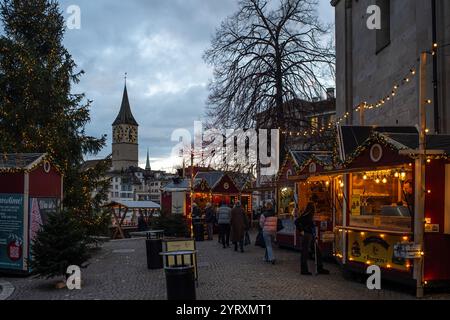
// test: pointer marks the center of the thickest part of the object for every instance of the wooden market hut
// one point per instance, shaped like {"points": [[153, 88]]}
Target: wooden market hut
{"points": [[121, 210]]}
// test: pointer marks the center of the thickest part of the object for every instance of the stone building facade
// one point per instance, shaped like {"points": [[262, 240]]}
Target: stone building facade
{"points": [[371, 63]]}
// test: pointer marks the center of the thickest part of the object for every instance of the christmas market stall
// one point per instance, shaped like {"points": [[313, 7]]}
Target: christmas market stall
{"points": [[379, 225], [315, 181], [125, 215], [285, 188], [31, 188]]}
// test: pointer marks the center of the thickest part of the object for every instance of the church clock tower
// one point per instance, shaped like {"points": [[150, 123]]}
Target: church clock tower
{"points": [[125, 137]]}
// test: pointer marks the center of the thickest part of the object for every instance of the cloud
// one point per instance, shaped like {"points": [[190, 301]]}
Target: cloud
{"points": [[160, 45]]}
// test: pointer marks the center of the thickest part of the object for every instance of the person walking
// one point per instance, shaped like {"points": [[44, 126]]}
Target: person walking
{"points": [[268, 223], [305, 224], [224, 219], [210, 219], [239, 225]]}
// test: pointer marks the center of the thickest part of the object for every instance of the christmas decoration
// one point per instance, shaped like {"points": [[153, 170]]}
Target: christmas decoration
{"points": [[38, 111]]}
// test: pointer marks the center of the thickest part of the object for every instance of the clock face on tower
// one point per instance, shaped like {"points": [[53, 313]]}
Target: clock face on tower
{"points": [[125, 134]]}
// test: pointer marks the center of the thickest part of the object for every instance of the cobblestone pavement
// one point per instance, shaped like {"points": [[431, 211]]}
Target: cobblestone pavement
{"points": [[119, 271]]}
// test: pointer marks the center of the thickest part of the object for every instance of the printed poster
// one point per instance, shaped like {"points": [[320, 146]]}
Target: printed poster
{"points": [[11, 232], [379, 250]]}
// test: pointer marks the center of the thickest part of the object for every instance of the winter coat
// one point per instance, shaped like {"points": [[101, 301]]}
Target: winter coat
{"points": [[306, 220], [223, 215], [269, 222], [210, 215], [142, 224], [196, 212], [239, 224]]}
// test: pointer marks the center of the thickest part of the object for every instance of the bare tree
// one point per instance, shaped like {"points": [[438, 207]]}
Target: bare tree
{"points": [[264, 56]]}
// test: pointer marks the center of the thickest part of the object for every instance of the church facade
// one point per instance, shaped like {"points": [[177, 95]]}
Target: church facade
{"points": [[128, 180]]}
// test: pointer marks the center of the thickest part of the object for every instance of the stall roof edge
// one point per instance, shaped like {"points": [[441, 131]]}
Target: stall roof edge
{"points": [[354, 136], [21, 161]]}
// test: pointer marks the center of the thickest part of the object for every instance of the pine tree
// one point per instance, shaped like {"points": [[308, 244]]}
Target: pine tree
{"points": [[59, 244], [38, 112]]}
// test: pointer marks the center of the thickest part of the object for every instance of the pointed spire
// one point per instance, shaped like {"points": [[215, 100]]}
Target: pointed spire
{"points": [[147, 166], [125, 115]]}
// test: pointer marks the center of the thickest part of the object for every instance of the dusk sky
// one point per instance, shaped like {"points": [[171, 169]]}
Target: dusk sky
{"points": [[160, 45]]}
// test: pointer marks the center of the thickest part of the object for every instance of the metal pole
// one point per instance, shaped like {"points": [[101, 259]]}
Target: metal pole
{"points": [[192, 191], [420, 176]]}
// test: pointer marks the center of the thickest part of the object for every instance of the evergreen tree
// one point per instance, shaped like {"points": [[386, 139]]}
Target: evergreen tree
{"points": [[59, 244], [38, 112]]}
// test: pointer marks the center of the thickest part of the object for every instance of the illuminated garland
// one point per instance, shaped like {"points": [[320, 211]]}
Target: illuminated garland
{"points": [[374, 138], [383, 100]]}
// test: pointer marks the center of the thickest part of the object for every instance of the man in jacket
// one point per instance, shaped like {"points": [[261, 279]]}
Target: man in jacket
{"points": [[224, 219], [305, 224], [268, 223], [239, 224]]}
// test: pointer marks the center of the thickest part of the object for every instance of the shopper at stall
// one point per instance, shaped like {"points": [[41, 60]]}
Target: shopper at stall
{"points": [[142, 224], [196, 211], [268, 223], [305, 224], [239, 224], [224, 219], [210, 219]]}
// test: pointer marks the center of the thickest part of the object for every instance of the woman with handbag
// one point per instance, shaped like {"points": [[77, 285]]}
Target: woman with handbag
{"points": [[269, 222]]}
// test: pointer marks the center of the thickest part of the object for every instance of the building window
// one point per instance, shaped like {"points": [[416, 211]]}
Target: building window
{"points": [[383, 35]]}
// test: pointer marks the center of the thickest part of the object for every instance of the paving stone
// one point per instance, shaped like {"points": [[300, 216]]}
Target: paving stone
{"points": [[119, 271]]}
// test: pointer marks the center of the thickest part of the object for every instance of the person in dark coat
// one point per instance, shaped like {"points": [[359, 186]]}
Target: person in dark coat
{"points": [[305, 224], [239, 224], [210, 219], [142, 224]]}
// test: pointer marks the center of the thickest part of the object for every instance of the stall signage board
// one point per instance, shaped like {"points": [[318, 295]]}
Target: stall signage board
{"points": [[356, 204], [408, 250], [12, 244], [370, 247], [431, 228], [171, 245]]}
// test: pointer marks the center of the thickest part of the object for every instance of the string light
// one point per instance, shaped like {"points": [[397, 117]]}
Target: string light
{"points": [[382, 101]]}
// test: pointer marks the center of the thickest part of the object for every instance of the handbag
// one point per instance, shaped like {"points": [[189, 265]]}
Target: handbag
{"points": [[259, 242]]}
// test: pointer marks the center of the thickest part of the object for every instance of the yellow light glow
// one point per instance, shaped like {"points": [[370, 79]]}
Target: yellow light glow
{"points": [[368, 262], [363, 233], [385, 180], [377, 180], [365, 177], [396, 175], [405, 238], [382, 236], [388, 266]]}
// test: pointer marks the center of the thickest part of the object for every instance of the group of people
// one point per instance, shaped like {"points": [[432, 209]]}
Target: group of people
{"points": [[304, 222], [233, 224]]}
